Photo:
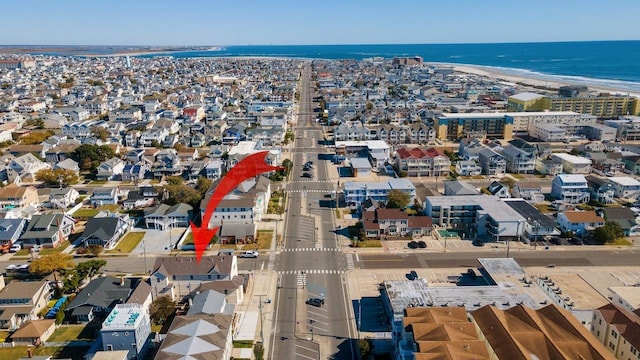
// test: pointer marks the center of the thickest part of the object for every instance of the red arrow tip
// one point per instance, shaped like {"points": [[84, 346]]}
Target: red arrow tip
{"points": [[202, 238]]}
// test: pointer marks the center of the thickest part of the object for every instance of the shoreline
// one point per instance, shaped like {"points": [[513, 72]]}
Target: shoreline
{"points": [[523, 77]]}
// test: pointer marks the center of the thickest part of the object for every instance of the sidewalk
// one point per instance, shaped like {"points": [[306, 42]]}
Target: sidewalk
{"points": [[250, 324]]}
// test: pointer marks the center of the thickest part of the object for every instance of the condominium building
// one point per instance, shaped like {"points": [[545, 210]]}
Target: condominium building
{"points": [[126, 328], [617, 329], [357, 192], [569, 188], [422, 162], [451, 126]]}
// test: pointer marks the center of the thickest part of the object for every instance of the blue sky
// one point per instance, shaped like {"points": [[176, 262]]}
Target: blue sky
{"points": [[254, 22]]}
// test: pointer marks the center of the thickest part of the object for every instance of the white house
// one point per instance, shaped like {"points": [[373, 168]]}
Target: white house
{"points": [[570, 188], [579, 222], [625, 187]]}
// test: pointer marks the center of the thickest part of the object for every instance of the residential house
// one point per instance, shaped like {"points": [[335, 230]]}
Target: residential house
{"points": [[625, 187], [10, 230], [135, 172], [570, 188], [68, 164], [166, 217], [167, 163], [60, 153], [468, 168], [491, 162], [422, 162], [572, 164], [198, 337], [459, 188], [246, 204], [14, 196], [104, 196], [127, 115], [617, 328], [533, 194], [21, 301], [24, 168], [519, 161], [101, 296], [624, 217], [177, 277], [213, 169], [104, 229], [601, 189], [538, 225], [357, 192], [127, 327], [632, 163], [110, 169], [143, 197], [63, 198], [135, 156], [579, 222], [48, 230], [499, 190], [34, 332]]}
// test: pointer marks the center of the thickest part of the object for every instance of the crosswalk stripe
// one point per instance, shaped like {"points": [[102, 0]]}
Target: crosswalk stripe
{"points": [[350, 262], [303, 276]]}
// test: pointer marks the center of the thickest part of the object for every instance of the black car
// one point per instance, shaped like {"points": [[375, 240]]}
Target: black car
{"points": [[412, 244], [422, 244], [317, 302], [307, 175], [412, 275], [477, 243]]}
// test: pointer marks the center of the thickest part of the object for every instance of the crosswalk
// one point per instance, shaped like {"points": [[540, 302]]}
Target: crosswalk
{"points": [[307, 191], [272, 260], [350, 262], [302, 274], [302, 278], [311, 182], [310, 249]]}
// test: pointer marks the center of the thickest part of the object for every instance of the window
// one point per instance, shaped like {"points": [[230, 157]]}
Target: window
{"points": [[109, 347]]}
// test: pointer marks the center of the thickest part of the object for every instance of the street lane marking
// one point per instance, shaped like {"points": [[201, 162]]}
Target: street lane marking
{"points": [[315, 271], [350, 261]]}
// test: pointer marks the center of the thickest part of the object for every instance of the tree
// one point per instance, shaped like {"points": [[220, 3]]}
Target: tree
{"points": [[161, 309], [203, 185], [258, 351], [55, 177], [179, 192], [90, 156], [365, 348], [397, 199], [100, 132], [610, 232], [48, 264], [88, 269], [509, 182]]}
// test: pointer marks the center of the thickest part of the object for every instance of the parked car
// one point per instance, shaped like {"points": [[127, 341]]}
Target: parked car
{"points": [[307, 175], [15, 248], [477, 242], [317, 302], [422, 244], [412, 275], [249, 254], [412, 244]]}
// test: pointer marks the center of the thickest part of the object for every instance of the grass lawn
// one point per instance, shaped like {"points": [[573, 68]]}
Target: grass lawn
{"points": [[621, 241], [518, 176], [3, 335], [97, 183], [263, 241], [87, 213], [247, 344], [127, 243], [369, 244], [49, 251], [67, 333], [543, 208], [69, 352]]}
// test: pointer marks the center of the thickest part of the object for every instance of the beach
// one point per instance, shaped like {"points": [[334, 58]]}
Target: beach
{"points": [[540, 81]]}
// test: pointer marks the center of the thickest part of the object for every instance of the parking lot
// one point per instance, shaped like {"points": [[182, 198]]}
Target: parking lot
{"points": [[158, 241]]}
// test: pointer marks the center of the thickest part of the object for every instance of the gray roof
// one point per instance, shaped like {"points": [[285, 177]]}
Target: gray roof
{"points": [[105, 292], [210, 302], [181, 209], [9, 227], [43, 226], [196, 337], [456, 187], [102, 228]]}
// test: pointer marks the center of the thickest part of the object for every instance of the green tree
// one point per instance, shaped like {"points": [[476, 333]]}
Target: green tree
{"points": [[397, 199], [610, 232], [56, 177], [88, 269], [365, 348], [38, 123], [161, 309], [53, 263], [258, 351], [179, 192], [90, 156], [203, 185]]}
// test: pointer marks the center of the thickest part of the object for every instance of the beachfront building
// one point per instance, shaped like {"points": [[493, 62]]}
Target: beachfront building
{"points": [[602, 105], [452, 126]]}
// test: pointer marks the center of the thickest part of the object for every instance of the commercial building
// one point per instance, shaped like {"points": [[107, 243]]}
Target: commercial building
{"points": [[572, 164], [451, 126], [602, 105], [478, 216]]}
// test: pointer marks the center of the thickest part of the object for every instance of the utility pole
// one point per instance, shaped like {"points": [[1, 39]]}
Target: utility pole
{"points": [[261, 317], [311, 322]]}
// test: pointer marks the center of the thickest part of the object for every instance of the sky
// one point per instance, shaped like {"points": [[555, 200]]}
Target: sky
{"points": [[300, 22]]}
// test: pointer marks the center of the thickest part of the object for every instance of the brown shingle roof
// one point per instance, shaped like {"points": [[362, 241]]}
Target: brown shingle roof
{"points": [[583, 217], [13, 191], [420, 222], [33, 329], [385, 214]]}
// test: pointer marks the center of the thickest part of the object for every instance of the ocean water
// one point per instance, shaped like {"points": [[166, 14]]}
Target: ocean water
{"points": [[606, 63]]}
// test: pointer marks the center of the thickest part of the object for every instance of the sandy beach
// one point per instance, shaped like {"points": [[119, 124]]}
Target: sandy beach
{"points": [[540, 81]]}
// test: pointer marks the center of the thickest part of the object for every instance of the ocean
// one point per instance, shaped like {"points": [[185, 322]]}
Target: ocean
{"points": [[606, 63]]}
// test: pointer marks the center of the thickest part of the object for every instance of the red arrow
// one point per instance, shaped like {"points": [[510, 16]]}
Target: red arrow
{"points": [[247, 168]]}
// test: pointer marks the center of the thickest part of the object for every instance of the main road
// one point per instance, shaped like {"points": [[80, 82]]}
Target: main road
{"points": [[309, 263]]}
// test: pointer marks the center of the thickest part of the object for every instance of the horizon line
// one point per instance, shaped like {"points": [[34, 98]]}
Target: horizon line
{"points": [[327, 44]]}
